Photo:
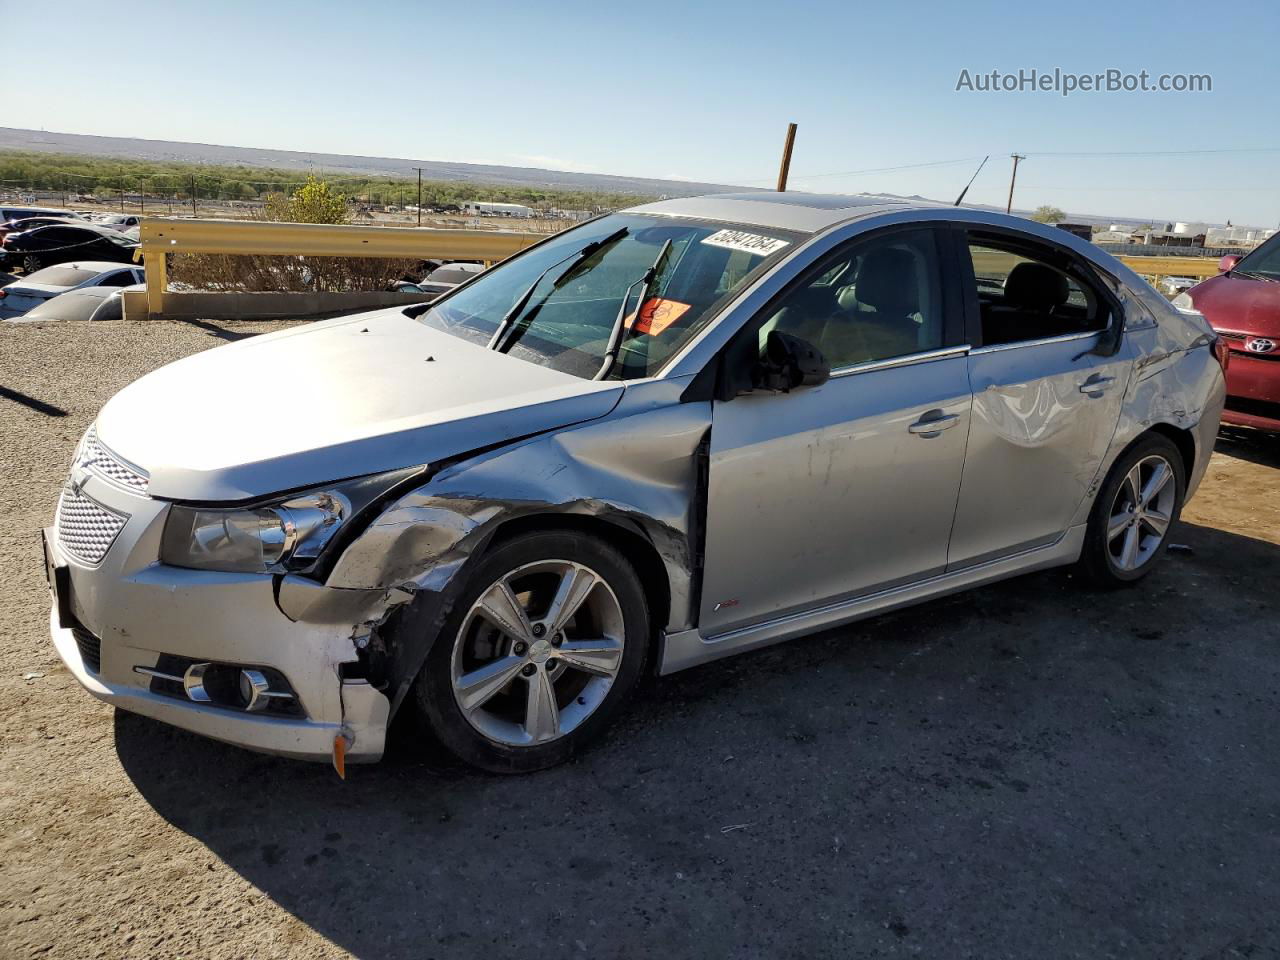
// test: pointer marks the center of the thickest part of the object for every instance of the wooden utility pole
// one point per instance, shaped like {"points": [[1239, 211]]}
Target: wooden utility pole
{"points": [[419, 169], [786, 157], [1008, 207], [194, 212], [120, 187]]}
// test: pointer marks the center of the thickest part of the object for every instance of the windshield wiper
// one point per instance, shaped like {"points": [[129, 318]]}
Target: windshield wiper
{"points": [[1254, 276], [615, 336], [500, 336]]}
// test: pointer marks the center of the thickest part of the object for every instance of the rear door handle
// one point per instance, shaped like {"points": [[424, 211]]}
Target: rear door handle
{"points": [[931, 426], [1096, 385]]}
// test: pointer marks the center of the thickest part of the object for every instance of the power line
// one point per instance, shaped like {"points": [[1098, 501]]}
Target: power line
{"points": [[1150, 153]]}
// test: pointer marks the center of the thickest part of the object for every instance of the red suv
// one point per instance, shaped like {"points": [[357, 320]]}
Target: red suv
{"points": [[1243, 305]]}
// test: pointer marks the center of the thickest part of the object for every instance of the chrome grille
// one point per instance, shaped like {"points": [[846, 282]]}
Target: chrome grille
{"points": [[86, 529], [94, 456]]}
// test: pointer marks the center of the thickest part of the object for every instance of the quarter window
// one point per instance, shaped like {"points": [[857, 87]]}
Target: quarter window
{"points": [[1026, 292], [873, 300]]}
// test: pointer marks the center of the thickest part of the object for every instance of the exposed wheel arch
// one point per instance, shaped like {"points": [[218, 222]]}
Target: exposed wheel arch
{"points": [[1184, 440], [633, 544]]}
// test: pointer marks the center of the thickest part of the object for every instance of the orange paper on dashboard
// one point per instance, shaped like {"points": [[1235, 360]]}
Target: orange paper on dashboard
{"points": [[656, 315]]}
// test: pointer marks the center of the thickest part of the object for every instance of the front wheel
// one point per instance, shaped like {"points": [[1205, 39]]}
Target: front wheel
{"points": [[545, 644], [31, 263], [1135, 509]]}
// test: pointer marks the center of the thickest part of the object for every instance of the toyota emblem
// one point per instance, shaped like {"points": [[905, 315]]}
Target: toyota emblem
{"points": [[1259, 345]]}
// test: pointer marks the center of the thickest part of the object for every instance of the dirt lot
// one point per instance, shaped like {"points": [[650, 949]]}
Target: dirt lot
{"points": [[1035, 769]]}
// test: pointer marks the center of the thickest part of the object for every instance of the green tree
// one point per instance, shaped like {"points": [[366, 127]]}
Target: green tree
{"points": [[313, 202], [1048, 214]]}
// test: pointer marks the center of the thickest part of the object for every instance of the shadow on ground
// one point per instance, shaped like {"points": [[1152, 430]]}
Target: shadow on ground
{"points": [[1033, 769], [1256, 446]]}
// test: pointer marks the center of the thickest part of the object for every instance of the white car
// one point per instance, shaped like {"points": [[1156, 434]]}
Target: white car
{"points": [[1176, 285], [119, 221], [84, 303], [34, 289]]}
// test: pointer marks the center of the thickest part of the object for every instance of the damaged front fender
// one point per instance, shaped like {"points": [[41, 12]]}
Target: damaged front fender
{"points": [[635, 473]]}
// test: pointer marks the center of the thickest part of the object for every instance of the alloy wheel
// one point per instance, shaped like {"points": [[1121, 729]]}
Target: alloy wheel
{"points": [[1141, 512], [537, 652]]}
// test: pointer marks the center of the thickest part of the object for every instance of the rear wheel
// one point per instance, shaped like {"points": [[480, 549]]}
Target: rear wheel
{"points": [[544, 646], [1136, 507], [31, 263]]}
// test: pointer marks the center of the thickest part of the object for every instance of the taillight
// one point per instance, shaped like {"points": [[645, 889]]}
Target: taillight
{"points": [[1222, 353]]}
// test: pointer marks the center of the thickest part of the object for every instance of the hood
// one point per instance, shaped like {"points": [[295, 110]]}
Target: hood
{"points": [[1239, 304], [332, 400]]}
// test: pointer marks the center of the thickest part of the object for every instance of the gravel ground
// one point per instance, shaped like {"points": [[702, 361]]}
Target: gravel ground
{"points": [[1035, 769]]}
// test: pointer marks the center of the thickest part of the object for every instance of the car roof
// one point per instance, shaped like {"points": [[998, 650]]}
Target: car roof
{"points": [[101, 266], [792, 210]]}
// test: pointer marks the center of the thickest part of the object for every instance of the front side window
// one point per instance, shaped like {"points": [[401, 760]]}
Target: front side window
{"points": [[875, 299], [558, 306], [1026, 292]]}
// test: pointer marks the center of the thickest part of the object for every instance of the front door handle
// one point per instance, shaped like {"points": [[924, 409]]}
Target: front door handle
{"points": [[931, 424], [1096, 385]]}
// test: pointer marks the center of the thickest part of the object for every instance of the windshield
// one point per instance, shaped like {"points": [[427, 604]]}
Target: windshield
{"points": [[1263, 262], [568, 320]]}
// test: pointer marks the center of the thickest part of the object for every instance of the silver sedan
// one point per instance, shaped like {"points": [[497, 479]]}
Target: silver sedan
{"points": [[666, 436]]}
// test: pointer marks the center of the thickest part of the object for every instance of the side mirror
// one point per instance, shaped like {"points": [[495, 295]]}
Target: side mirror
{"points": [[790, 362], [1228, 263]]}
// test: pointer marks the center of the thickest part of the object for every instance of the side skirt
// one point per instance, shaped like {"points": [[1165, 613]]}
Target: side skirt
{"points": [[688, 648]]}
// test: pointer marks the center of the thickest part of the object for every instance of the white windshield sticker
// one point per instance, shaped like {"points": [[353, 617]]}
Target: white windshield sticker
{"points": [[746, 242]]}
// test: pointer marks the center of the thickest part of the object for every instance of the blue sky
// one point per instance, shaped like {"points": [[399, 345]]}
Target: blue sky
{"points": [[695, 90]]}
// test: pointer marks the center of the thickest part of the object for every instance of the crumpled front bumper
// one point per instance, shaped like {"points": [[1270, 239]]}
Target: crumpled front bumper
{"points": [[140, 610], [305, 739]]}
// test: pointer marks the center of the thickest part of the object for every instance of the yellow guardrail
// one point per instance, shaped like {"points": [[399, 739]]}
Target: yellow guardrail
{"points": [[1198, 267], [164, 235]]}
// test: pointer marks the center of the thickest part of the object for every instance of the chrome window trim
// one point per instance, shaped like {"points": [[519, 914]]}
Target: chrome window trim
{"points": [[1043, 341], [695, 354], [906, 360]]}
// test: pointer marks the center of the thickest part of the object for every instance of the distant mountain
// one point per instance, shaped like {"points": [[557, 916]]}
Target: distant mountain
{"points": [[206, 153], [173, 151]]}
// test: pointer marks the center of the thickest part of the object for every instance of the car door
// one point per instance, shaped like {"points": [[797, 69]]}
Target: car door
{"points": [[846, 488], [1044, 406]]}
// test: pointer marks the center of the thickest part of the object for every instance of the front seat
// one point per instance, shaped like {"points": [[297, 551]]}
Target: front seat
{"points": [[1032, 292], [889, 283]]}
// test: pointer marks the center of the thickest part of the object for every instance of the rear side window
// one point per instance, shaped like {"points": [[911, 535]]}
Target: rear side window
{"points": [[1029, 292], [122, 279]]}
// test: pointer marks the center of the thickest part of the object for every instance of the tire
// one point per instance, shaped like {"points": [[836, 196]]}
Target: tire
{"points": [[510, 675], [1127, 536], [31, 263]]}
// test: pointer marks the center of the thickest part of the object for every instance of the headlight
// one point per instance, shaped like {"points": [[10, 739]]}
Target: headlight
{"points": [[271, 538], [1183, 302]]}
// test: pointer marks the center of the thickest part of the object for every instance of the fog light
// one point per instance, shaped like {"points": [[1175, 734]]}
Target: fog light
{"points": [[255, 691], [193, 682]]}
